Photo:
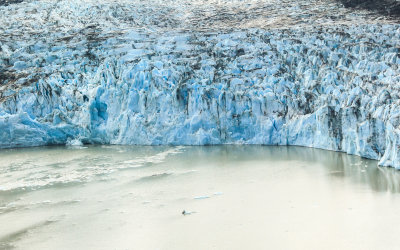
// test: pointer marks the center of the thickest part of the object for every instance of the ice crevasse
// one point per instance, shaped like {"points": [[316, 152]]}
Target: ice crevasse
{"points": [[333, 87]]}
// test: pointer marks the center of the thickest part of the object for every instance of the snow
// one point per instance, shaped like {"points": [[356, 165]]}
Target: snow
{"points": [[106, 72]]}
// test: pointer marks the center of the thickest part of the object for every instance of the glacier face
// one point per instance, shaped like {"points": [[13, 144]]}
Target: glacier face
{"points": [[330, 86]]}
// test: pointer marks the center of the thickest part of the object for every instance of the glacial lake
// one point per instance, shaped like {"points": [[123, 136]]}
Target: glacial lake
{"points": [[234, 197]]}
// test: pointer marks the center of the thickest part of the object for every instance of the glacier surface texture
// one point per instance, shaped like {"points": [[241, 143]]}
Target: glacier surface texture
{"points": [[128, 72]]}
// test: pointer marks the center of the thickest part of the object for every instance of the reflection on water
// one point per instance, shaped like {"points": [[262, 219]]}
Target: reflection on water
{"points": [[339, 165], [51, 196]]}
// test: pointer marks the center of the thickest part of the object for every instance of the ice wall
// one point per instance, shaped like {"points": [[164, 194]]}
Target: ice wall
{"points": [[334, 87]]}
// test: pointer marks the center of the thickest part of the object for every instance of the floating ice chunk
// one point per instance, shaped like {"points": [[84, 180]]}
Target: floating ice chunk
{"points": [[201, 197], [74, 142]]}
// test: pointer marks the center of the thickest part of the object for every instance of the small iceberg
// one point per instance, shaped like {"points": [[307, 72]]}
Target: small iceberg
{"points": [[74, 142], [201, 197]]}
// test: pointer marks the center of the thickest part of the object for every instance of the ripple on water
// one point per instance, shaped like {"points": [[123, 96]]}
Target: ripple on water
{"points": [[7, 241], [154, 177], [64, 168]]}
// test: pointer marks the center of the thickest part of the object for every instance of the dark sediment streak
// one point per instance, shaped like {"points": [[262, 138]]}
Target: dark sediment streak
{"points": [[8, 2], [383, 7]]}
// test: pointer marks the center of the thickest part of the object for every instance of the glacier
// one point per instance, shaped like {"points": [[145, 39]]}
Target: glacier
{"points": [[129, 72]]}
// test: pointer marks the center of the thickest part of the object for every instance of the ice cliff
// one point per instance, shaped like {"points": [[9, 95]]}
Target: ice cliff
{"points": [[82, 72]]}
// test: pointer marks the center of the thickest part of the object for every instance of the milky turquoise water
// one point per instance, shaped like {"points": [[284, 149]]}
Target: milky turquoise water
{"points": [[237, 197]]}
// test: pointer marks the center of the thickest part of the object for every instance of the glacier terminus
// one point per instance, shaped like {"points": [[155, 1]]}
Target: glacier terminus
{"points": [[103, 72]]}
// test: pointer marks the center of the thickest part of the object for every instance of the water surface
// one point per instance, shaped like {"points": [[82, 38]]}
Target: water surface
{"points": [[237, 197]]}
